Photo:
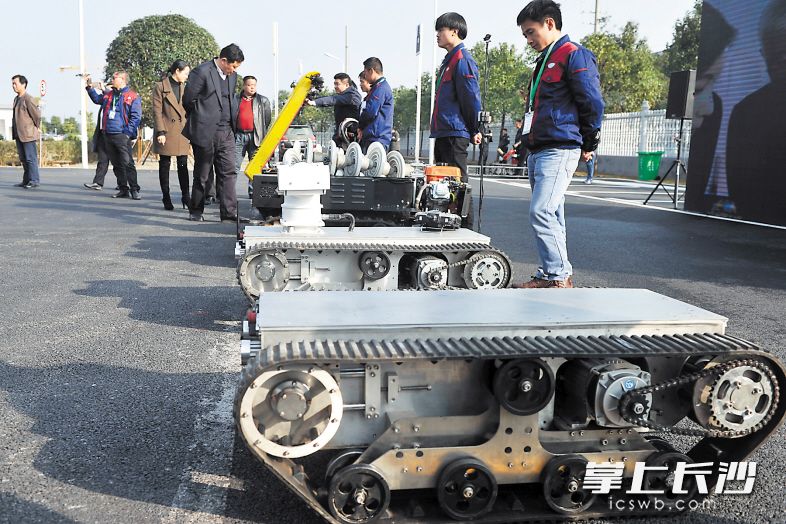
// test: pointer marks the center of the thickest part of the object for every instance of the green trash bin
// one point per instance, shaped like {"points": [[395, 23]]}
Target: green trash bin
{"points": [[649, 164]]}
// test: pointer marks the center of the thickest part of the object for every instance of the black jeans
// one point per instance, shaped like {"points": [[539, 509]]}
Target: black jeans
{"points": [[220, 154], [103, 160], [118, 147], [164, 163], [452, 150]]}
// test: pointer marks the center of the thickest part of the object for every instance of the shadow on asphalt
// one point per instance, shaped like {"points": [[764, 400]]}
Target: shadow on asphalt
{"points": [[106, 427], [15, 509], [190, 307], [196, 250]]}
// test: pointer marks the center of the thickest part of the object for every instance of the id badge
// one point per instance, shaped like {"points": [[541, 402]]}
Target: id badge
{"points": [[112, 114], [527, 125]]}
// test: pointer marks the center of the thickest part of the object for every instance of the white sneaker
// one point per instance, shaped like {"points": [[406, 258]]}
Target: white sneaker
{"points": [[588, 181], [93, 186]]}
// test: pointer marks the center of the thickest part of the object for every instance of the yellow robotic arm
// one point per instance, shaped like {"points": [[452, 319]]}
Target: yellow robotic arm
{"points": [[280, 126]]}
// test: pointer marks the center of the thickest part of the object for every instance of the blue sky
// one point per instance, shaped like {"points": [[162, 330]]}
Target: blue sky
{"points": [[39, 37]]}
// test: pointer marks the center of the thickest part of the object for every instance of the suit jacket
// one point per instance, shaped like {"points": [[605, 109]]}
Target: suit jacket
{"points": [[27, 119], [202, 102], [260, 106], [169, 118]]}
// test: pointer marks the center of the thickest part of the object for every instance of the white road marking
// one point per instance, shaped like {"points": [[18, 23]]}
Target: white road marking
{"points": [[201, 495]]}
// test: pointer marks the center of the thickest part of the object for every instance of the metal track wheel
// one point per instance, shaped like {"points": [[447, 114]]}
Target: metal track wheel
{"points": [[524, 386], [429, 272], [340, 461], [374, 264], [466, 489], [262, 270], [563, 485], [290, 413], [488, 270], [663, 480], [737, 400], [358, 493], [333, 158]]}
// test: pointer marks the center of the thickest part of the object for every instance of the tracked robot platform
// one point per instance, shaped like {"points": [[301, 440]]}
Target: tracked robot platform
{"points": [[302, 254], [488, 405]]}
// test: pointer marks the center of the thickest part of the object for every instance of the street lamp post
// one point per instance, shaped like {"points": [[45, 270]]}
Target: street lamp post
{"points": [[83, 96]]}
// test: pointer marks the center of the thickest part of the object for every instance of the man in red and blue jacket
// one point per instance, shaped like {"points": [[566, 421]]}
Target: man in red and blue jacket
{"points": [[376, 119], [561, 126], [121, 114], [454, 121]]}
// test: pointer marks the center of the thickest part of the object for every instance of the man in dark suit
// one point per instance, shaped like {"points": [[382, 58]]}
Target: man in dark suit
{"points": [[209, 101]]}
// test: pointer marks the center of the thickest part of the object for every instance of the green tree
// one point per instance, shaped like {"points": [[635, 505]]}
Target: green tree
{"points": [[146, 48], [70, 128], [55, 125], [683, 51], [629, 73], [507, 74]]}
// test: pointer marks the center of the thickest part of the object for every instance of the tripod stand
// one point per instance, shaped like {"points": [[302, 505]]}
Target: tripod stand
{"points": [[676, 166]]}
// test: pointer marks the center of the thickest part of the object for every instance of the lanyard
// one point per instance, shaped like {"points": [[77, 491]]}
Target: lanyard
{"points": [[534, 86]]}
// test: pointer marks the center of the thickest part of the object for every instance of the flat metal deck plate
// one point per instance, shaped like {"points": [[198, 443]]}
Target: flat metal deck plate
{"points": [[397, 315], [389, 235]]}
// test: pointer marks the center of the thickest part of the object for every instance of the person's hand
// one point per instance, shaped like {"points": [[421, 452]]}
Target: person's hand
{"points": [[586, 156], [311, 103], [99, 86], [162, 139], [88, 81], [477, 139], [360, 135]]}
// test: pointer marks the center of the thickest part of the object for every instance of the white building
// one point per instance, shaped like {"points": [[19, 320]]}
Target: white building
{"points": [[6, 116]]}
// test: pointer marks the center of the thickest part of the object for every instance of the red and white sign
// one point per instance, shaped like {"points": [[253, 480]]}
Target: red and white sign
{"points": [[43, 88]]}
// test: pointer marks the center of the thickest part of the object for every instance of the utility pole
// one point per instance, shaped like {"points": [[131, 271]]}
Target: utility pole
{"points": [[83, 95], [595, 30], [346, 49], [433, 82], [275, 70]]}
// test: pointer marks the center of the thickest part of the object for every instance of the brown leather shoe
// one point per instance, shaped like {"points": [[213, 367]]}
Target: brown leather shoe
{"points": [[543, 283]]}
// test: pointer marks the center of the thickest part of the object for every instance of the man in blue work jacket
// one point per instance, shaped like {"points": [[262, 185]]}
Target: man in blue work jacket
{"points": [[454, 121], [561, 126], [121, 114], [376, 120]]}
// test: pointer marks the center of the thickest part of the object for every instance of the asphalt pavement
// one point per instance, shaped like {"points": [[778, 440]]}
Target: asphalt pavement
{"points": [[119, 331]]}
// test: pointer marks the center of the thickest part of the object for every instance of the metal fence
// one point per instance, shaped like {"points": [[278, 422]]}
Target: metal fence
{"points": [[626, 134], [623, 134]]}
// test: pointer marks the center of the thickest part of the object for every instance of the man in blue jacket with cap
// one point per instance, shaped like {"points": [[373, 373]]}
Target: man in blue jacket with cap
{"points": [[454, 121]]}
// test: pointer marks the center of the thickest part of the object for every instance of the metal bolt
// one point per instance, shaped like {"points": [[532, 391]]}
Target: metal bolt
{"points": [[755, 391], [523, 464], [638, 408], [510, 465], [368, 367], [526, 386], [604, 442], [611, 460], [376, 415], [332, 391], [334, 420], [283, 396], [573, 486], [581, 433], [415, 428], [396, 429], [281, 413], [419, 469], [376, 367], [243, 415], [360, 497], [624, 459], [405, 470], [373, 374], [572, 433], [368, 416], [286, 453], [468, 492], [623, 441], [300, 415]]}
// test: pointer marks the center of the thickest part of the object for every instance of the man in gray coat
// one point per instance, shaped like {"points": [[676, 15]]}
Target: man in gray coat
{"points": [[25, 131], [252, 119], [209, 101]]}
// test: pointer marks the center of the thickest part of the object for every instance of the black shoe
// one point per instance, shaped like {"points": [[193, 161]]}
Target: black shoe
{"points": [[135, 195], [184, 200], [167, 203], [229, 218], [31, 185], [196, 217], [123, 193], [20, 184]]}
